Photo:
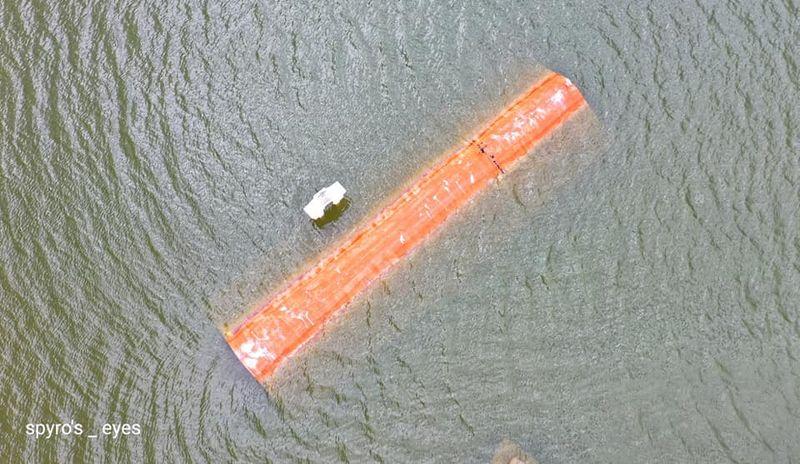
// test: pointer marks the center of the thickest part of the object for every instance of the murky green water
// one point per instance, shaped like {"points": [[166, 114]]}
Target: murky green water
{"points": [[154, 159]]}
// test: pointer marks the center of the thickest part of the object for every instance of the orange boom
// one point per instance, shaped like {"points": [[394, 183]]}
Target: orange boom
{"points": [[297, 312]]}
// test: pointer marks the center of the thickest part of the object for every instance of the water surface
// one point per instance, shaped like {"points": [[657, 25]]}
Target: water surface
{"points": [[154, 160]]}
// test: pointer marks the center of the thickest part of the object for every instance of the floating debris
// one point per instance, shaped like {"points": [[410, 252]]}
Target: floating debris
{"points": [[330, 195], [511, 453]]}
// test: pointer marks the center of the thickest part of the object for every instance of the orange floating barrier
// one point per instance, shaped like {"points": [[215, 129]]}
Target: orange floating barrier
{"points": [[293, 315]]}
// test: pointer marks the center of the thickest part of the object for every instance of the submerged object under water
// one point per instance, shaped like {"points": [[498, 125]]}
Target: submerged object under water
{"points": [[298, 311]]}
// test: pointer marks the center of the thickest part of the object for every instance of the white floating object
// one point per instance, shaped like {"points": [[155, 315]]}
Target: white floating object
{"points": [[330, 195]]}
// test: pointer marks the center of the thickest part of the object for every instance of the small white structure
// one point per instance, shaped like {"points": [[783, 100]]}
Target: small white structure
{"points": [[330, 195]]}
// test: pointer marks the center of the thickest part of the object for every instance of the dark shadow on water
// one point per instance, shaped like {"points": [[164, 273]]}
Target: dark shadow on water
{"points": [[332, 213]]}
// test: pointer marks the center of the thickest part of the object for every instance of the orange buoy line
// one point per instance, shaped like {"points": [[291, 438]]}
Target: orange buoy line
{"points": [[296, 313]]}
